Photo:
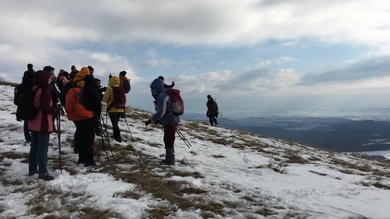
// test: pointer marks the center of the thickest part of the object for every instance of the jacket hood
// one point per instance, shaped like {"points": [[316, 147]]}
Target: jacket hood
{"points": [[41, 78], [81, 75], [114, 81]]}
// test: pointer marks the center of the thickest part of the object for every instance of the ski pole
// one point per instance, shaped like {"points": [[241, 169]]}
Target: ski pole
{"points": [[128, 127], [59, 136]]}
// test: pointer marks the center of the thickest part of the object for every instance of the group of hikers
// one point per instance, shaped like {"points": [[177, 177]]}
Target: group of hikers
{"points": [[81, 94]]}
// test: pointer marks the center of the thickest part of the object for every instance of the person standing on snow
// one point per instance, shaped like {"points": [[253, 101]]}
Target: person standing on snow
{"points": [[28, 82], [115, 113], [41, 126], [170, 121], [212, 110]]}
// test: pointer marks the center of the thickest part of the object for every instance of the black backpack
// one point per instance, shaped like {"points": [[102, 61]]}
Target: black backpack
{"points": [[18, 91], [126, 85], [26, 109]]}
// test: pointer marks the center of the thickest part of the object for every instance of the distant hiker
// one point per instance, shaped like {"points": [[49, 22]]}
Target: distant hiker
{"points": [[158, 85], [62, 78], [99, 88], [91, 101], [27, 84], [41, 126], [212, 110], [124, 81], [91, 70], [115, 99], [170, 121], [73, 72]]}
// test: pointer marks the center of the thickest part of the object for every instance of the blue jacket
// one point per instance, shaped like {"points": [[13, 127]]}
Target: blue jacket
{"points": [[164, 113]]}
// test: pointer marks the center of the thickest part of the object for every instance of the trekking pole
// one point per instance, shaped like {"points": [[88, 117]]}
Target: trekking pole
{"points": [[105, 137], [59, 136], [182, 137], [220, 113], [128, 127]]}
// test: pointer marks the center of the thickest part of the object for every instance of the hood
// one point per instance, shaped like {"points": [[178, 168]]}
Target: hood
{"points": [[80, 76], [114, 81], [41, 78]]}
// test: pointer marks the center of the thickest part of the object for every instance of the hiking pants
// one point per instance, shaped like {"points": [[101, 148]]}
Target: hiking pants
{"points": [[114, 117], [27, 134], [213, 120], [37, 160], [87, 134], [169, 135]]}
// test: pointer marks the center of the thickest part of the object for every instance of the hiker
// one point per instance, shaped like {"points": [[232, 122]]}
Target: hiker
{"points": [[124, 81], [91, 70], [212, 110], [76, 81], [91, 101], [99, 88], [54, 92], [28, 84], [170, 121], [73, 72], [62, 78], [158, 85], [41, 126], [114, 112]]}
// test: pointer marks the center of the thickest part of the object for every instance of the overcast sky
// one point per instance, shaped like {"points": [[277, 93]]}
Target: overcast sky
{"points": [[251, 55]]}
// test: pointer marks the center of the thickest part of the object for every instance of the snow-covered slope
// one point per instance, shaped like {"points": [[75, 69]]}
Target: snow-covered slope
{"points": [[225, 174]]}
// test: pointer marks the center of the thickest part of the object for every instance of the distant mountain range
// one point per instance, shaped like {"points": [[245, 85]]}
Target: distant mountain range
{"points": [[337, 134]]}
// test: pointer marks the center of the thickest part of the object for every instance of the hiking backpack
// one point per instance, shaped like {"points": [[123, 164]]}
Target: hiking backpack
{"points": [[126, 85], [177, 101], [119, 99], [73, 107], [26, 109], [18, 91]]}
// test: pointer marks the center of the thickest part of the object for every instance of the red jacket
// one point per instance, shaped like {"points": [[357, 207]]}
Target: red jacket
{"points": [[43, 122]]}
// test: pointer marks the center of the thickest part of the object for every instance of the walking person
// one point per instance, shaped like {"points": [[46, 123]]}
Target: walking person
{"points": [[158, 85], [115, 112], [170, 121], [212, 110], [41, 126]]}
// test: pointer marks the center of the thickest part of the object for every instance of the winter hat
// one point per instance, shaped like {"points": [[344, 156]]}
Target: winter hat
{"points": [[161, 77], [73, 68], [29, 66], [122, 73]]}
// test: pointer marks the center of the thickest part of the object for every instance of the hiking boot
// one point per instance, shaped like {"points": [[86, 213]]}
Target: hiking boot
{"points": [[80, 162], [46, 178]]}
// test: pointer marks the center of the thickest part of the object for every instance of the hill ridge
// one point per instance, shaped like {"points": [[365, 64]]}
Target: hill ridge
{"points": [[225, 174]]}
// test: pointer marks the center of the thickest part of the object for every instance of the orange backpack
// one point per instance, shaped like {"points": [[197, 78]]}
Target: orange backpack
{"points": [[74, 109]]}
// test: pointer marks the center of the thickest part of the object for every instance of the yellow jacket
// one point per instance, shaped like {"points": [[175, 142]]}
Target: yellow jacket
{"points": [[109, 94]]}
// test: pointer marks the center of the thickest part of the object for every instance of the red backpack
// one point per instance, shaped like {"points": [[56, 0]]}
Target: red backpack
{"points": [[177, 101], [119, 98]]}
